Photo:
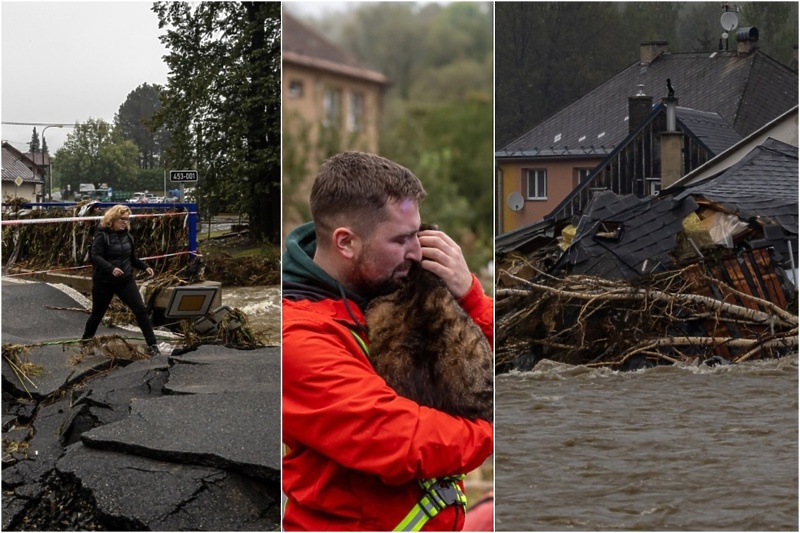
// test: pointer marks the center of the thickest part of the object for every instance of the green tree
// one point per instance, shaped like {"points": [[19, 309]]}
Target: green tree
{"points": [[132, 120], [222, 104], [33, 146], [548, 54], [449, 146], [459, 31], [95, 153], [777, 28], [391, 38]]}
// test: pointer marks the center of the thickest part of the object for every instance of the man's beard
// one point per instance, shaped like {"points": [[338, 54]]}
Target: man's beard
{"points": [[372, 288]]}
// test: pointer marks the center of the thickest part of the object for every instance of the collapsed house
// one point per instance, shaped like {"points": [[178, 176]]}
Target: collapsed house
{"points": [[703, 271]]}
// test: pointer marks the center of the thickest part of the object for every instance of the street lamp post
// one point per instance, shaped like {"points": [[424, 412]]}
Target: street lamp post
{"points": [[49, 189]]}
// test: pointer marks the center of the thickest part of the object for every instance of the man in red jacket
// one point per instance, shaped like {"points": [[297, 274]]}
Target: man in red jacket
{"points": [[358, 456]]}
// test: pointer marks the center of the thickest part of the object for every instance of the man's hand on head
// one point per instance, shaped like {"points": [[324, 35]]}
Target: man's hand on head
{"points": [[442, 256]]}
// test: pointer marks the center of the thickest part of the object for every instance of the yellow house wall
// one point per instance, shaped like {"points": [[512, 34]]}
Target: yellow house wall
{"points": [[310, 105], [561, 178], [306, 113]]}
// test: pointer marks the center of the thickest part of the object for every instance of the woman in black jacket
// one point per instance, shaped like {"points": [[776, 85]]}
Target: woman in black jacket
{"points": [[114, 257]]}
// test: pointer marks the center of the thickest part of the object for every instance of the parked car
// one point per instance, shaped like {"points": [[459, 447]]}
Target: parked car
{"points": [[142, 197]]}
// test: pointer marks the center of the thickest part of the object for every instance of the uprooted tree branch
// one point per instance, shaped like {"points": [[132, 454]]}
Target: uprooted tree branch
{"points": [[675, 316]]}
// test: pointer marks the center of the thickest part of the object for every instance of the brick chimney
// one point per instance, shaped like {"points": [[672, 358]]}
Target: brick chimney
{"points": [[639, 107], [650, 50], [746, 40]]}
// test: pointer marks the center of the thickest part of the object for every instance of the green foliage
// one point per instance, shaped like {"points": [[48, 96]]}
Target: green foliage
{"points": [[777, 26], [449, 146], [222, 104], [389, 37], [95, 153], [548, 54], [33, 146], [132, 120]]}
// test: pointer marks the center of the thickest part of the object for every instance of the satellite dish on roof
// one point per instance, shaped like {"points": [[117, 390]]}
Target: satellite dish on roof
{"points": [[729, 21], [515, 201]]}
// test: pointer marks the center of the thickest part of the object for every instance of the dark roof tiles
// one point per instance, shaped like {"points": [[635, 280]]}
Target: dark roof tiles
{"points": [[709, 128], [13, 167], [746, 90], [649, 229]]}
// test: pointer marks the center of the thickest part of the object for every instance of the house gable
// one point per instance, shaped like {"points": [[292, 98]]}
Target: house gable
{"points": [[16, 164]]}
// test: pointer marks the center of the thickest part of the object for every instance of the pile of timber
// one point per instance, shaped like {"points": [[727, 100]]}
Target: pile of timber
{"points": [[730, 312]]}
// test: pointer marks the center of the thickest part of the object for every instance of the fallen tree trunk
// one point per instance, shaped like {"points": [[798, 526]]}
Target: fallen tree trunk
{"points": [[664, 317]]}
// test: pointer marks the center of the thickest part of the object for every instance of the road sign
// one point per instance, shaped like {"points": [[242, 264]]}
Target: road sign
{"points": [[183, 176], [18, 180]]}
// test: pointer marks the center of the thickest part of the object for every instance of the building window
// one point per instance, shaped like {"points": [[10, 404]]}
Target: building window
{"points": [[331, 107], [537, 184], [355, 115], [653, 186], [579, 175], [295, 89]]}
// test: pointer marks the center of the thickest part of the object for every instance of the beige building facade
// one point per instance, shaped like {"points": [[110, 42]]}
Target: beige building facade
{"points": [[331, 103]]}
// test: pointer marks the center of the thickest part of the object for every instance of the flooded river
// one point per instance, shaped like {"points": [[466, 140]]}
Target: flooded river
{"points": [[262, 306], [667, 448]]}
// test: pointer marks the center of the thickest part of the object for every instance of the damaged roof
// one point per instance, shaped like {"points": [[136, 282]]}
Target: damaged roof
{"points": [[710, 129], [763, 184], [746, 90], [621, 237]]}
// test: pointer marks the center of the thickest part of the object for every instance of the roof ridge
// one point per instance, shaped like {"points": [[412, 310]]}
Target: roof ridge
{"points": [[353, 60]]}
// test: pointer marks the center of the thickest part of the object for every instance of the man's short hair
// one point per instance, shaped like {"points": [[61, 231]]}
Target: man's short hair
{"points": [[352, 189]]}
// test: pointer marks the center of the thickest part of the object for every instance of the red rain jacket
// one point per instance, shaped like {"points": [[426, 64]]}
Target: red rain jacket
{"points": [[354, 448]]}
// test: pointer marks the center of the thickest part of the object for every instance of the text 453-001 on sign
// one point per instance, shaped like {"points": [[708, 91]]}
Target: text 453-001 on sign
{"points": [[182, 175]]}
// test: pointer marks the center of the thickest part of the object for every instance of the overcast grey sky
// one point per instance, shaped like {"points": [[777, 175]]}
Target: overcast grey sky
{"points": [[67, 62]]}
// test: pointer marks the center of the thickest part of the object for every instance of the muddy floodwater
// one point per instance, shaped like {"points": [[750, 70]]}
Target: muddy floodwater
{"points": [[262, 306], [667, 448]]}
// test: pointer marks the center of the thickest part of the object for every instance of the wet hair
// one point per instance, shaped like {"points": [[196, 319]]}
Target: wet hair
{"points": [[353, 188], [113, 214]]}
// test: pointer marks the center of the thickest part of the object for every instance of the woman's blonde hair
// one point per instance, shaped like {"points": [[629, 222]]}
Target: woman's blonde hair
{"points": [[113, 214]]}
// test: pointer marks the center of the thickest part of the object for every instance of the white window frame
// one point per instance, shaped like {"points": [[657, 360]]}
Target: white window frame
{"points": [[583, 173], [653, 186], [539, 191]]}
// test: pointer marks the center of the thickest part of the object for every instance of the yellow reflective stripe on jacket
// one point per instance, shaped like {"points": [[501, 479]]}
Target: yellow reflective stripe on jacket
{"points": [[437, 495], [360, 342]]}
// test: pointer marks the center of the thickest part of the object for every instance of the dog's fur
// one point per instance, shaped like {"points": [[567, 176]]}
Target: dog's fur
{"points": [[429, 350]]}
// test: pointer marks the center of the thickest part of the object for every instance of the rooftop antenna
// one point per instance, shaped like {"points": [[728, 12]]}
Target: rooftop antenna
{"points": [[729, 21]]}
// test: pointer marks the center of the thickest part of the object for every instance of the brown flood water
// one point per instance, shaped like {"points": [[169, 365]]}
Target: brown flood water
{"points": [[667, 448]]}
